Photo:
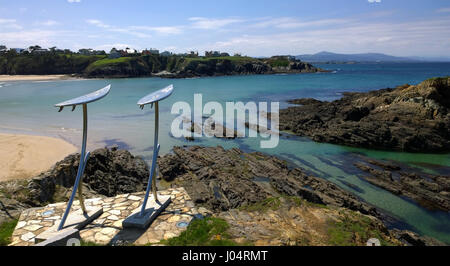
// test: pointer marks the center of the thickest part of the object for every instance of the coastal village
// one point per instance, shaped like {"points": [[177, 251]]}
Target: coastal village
{"points": [[113, 53]]}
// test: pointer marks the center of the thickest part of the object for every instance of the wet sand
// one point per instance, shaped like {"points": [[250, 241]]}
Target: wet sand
{"points": [[23, 156], [4, 78]]}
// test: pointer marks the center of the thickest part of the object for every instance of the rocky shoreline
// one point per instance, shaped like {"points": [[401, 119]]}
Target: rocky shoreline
{"points": [[201, 67], [109, 172], [407, 118], [226, 182], [428, 190]]}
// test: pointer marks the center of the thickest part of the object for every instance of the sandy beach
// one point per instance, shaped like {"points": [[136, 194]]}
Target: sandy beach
{"points": [[23, 156], [4, 78]]}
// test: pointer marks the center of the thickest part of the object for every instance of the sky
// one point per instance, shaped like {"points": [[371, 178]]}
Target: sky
{"points": [[249, 27]]}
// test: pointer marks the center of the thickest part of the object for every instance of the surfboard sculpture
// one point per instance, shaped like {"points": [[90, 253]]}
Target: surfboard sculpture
{"points": [[84, 157], [151, 208]]}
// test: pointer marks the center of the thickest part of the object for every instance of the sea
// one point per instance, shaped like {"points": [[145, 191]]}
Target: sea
{"points": [[28, 108]]}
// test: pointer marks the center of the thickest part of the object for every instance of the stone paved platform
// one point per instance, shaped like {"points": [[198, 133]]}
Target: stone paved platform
{"points": [[107, 229]]}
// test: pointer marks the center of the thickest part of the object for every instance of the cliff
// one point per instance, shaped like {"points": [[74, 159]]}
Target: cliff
{"points": [[185, 67], [407, 118]]}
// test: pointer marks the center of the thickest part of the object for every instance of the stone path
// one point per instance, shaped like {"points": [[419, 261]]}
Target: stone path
{"points": [[107, 229]]}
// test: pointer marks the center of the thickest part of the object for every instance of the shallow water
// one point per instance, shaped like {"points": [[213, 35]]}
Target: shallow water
{"points": [[27, 107]]}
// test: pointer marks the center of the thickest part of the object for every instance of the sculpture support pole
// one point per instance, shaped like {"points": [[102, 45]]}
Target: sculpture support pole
{"points": [[83, 160], [156, 148]]}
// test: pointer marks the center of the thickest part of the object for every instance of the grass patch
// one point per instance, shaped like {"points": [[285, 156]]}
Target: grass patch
{"points": [[263, 206], [438, 78], [203, 232], [355, 231], [279, 63], [89, 244], [6, 231], [274, 203], [107, 61]]}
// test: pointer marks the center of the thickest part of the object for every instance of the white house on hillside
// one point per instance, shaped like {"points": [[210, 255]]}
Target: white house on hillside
{"points": [[130, 51]]}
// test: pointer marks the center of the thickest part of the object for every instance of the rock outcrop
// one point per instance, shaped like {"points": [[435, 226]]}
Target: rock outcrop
{"points": [[290, 221], [430, 191], [222, 179], [408, 118], [109, 172], [236, 186], [409, 238], [181, 67]]}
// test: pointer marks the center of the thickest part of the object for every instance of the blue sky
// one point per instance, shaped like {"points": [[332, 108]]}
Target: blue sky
{"points": [[255, 28]]}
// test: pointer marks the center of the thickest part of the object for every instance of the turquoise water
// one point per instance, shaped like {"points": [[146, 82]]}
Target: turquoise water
{"points": [[27, 107]]}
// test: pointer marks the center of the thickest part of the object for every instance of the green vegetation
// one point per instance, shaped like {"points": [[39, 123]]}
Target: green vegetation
{"points": [[89, 244], [274, 203], [135, 65], [263, 206], [203, 232], [438, 78], [108, 61], [278, 61], [354, 231], [6, 231], [12, 63]]}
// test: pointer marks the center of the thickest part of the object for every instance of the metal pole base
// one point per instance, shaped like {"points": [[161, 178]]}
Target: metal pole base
{"points": [[76, 222], [152, 209]]}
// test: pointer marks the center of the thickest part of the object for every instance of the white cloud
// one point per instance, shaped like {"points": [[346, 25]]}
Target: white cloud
{"points": [[73, 1], [108, 47], [211, 23], [374, 1], [166, 30], [7, 21], [9, 24], [444, 10], [19, 38], [421, 38], [47, 23], [111, 28], [97, 23], [292, 23]]}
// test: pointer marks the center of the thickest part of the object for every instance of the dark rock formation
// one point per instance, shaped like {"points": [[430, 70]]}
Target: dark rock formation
{"points": [[408, 118], [430, 191], [181, 67], [222, 180], [109, 172], [226, 179], [412, 239]]}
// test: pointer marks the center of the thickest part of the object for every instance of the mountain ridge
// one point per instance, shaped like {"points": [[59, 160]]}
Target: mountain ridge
{"points": [[325, 56]]}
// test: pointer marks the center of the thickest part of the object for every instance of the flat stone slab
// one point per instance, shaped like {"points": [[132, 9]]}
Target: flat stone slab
{"points": [[75, 221], [61, 239], [107, 229], [152, 210]]}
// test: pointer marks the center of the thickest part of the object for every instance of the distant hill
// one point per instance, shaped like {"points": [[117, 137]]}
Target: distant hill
{"points": [[431, 59], [368, 57]]}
